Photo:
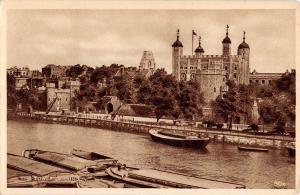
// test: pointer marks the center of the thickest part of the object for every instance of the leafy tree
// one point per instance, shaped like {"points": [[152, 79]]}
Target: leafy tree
{"points": [[189, 99], [101, 73], [11, 92], [75, 71], [225, 106], [279, 109]]}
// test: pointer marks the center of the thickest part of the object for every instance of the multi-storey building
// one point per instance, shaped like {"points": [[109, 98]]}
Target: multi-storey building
{"points": [[263, 78], [212, 71], [54, 71]]}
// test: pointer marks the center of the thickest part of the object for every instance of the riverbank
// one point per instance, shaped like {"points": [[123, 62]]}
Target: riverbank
{"points": [[142, 127]]}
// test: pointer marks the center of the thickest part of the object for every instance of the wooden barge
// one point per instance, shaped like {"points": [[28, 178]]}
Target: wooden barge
{"points": [[152, 178], [178, 139], [79, 169]]}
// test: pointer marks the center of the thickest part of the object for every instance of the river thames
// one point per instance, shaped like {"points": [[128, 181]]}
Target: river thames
{"points": [[217, 161]]}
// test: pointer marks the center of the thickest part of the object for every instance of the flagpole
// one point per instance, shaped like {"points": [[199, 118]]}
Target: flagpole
{"points": [[192, 42]]}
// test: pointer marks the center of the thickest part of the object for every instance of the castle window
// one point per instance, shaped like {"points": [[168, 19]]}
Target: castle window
{"points": [[270, 81], [215, 89], [227, 76], [181, 67], [235, 68], [223, 79], [183, 76], [256, 81], [234, 75], [225, 67], [185, 67], [263, 81], [250, 81]]}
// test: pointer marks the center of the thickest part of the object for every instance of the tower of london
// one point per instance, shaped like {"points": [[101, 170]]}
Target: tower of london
{"points": [[212, 71]]}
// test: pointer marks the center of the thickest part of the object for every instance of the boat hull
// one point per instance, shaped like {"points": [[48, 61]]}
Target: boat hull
{"points": [[189, 143], [252, 149], [291, 151], [152, 178]]}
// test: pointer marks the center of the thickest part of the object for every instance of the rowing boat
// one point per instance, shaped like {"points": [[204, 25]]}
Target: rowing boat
{"points": [[253, 149]]}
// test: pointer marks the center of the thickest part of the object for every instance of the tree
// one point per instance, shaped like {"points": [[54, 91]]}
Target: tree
{"points": [[189, 99], [225, 106], [124, 87], [279, 109], [11, 92], [75, 71], [162, 96], [163, 101]]}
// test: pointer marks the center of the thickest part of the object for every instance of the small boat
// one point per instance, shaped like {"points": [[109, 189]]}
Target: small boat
{"points": [[22, 165], [92, 156], [27, 172], [178, 139], [252, 149], [76, 161], [291, 150], [151, 178], [24, 172]]}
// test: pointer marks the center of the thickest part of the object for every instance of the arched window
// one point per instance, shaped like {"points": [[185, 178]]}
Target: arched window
{"points": [[183, 76], [192, 76]]}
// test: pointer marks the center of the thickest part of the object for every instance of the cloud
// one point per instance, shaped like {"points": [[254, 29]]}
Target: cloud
{"points": [[96, 37]]}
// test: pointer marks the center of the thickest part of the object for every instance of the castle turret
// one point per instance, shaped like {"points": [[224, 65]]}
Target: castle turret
{"points": [[226, 44], [244, 52], [176, 54], [244, 49], [199, 50]]}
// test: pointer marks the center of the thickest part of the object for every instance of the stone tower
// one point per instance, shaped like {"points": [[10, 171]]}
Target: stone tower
{"points": [[244, 53], [147, 61], [226, 44], [176, 54], [51, 95]]}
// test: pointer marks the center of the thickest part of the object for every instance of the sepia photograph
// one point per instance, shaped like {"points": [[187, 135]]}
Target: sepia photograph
{"points": [[151, 98]]}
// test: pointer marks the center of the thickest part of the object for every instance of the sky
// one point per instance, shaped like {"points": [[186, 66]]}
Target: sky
{"points": [[36, 38]]}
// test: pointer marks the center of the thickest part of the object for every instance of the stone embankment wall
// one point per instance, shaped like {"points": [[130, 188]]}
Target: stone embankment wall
{"points": [[250, 141], [143, 128]]}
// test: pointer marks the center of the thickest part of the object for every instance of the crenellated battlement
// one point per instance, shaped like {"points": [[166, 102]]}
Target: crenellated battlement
{"points": [[202, 56]]}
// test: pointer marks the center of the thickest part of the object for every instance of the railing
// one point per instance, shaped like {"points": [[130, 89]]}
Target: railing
{"points": [[149, 125]]}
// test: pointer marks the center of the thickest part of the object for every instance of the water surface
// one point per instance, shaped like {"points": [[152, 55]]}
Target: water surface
{"points": [[218, 161]]}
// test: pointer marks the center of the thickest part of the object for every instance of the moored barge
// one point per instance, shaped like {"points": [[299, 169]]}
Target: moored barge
{"points": [[152, 178], [178, 139]]}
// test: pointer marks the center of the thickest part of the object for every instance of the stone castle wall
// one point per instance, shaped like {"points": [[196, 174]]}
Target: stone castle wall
{"points": [[210, 83]]}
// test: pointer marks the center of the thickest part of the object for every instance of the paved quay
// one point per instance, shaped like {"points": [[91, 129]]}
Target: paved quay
{"points": [[142, 125]]}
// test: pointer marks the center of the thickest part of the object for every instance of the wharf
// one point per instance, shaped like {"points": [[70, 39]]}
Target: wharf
{"points": [[141, 127]]}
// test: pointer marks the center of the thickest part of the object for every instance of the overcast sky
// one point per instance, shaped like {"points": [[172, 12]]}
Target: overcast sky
{"points": [[96, 37]]}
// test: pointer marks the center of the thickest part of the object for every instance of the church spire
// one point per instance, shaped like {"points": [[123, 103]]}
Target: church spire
{"points": [[244, 37]]}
